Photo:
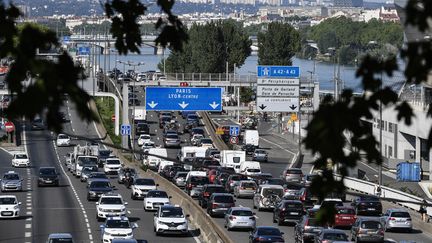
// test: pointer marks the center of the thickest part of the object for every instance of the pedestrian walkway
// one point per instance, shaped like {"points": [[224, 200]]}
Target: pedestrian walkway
{"points": [[11, 148]]}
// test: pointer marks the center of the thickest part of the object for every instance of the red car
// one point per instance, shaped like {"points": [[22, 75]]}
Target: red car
{"points": [[345, 217], [212, 176]]}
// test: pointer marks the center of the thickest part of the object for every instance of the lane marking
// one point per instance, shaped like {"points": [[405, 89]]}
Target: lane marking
{"points": [[284, 149]]}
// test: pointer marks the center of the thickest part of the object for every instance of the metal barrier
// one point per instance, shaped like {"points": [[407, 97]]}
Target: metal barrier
{"points": [[217, 140]]}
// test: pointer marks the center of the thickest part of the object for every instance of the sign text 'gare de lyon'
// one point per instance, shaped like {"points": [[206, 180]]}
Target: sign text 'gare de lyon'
{"points": [[183, 99], [278, 89]]}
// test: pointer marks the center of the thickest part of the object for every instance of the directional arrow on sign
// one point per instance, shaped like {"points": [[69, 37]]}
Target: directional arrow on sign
{"points": [[293, 107], [214, 105], [152, 104], [183, 105], [262, 106]]}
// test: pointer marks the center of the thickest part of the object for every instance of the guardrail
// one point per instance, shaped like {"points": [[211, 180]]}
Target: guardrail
{"points": [[400, 198], [217, 140]]}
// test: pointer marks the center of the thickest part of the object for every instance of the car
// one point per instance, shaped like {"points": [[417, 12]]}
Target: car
{"points": [[367, 205], [103, 154], [306, 229], [95, 176], [110, 204], [249, 148], [345, 217], [134, 101], [205, 142], [288, 211], [48, 176], [197, 130], [155, 199], [180, 178], [112, 166], [86, 171], [11, 181], [367, 229], [60, 238], [20, 160], [213, 153], [142, 128], [305, 195], [170, 219], [240, 218], [274, 181], [233, 180], [38, 124], [331, 202], [397, 219], [222, 178], [330, 236], [164, 120], [122, 174], [141, 186], [260, 155], [117, 227], [245, 188], [293, 175], [261, 178], [266, 234], [63, 140], [97, 187], [170, 171], [207, 191], [9, 206], [195, 138], [292, 188], [219, 203], [194, 185], [307, 179], [189, 125], [118, 240], [144, 138], [172, 140], [267, 196]]}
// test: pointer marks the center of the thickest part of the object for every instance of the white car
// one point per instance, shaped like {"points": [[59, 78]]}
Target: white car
{"points": [[20, 160], [144, 138], [141, 186], [170, 218], [112, 166], [9, 206], [195, 138], [63, 140], [117, 227], [110, 205], [156, 199]]}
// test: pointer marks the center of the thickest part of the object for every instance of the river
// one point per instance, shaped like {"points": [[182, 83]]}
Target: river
{"points": [[324, 72]]}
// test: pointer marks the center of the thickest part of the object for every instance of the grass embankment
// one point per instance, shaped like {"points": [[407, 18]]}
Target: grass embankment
{"points": [[105, 107]]}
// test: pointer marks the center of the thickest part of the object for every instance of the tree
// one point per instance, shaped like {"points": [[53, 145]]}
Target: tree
{"points": [[237, 43], [278, 45]]}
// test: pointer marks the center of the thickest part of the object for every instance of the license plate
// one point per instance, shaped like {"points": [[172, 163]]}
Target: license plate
{"points": [[223, 209], [346, 217], [371, 209], [370, 232], [294, 213], [7, 213], [172, 228], [48, 181]]}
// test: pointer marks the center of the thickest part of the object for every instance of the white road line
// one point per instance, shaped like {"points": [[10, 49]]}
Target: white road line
{"points": [[28, 234], [28, 226], [284, 149]]}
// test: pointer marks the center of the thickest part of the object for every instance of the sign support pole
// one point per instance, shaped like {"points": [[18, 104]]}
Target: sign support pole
{"points": [[125, 119]]}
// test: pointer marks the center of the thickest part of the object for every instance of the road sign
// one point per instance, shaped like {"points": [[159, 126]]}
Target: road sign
{"points": [[83, 50], [278, 81], [9, 126], [183, 99], [234, 140], [113, 118], [278, 71], [278, 91], [66, 39], [266, 104], [294, 117], [125, 129], [220, 131], [234, 130]]}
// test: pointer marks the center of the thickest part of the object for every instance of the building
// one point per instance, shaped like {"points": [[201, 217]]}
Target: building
{"points": [[348, 3]]}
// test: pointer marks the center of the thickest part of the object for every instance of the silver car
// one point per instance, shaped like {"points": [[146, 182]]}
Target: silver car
{"points": [[293, 175], [260, 155], [11, 181], [180, 178], [367, 229], [172, 140], [395, 218], [240, 218], [245, 189]]}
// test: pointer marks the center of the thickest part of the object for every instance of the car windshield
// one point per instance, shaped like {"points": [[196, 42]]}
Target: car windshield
{"points": [[260, 151], [145, 182], [242, 213], [7, 201], [166, 119], [213, 189], [275, 181], [47, 172], [253, 170], [113, 162], [62, 136], [157, 194], [98, 175], [172, 213], [346, 211], [21, 156], [144, 137], [238, 177], [111, 200], [197, 131], [206, 140], [100, 184], [371, 225], [117, 223], [200, 180], [90, 169], [61, 240], [11, 177], [297, 172], [369, 198], [181, 174], [173, 136], [291, 205], [400, 215], [223, 199], [268, 231], [192, 117], [272, 191], [335, 236], [248, 184], [104, 152], [310, 177]]}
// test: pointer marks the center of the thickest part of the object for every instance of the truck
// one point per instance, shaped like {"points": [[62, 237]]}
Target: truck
{"points": [[187, 153], [151, 161], [251, 137], [140, 115], [250, 168], [232, 158]]}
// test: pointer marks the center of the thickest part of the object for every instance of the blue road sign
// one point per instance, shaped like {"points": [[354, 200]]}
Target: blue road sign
{"points": [[183, 99], [66, 39], [83, 50], [278, 71], [125, 129], [234, 130]]}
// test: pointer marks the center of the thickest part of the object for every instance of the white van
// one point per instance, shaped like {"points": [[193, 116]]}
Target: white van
{"points": [[232, 158], [250, 168], [251, 137], [195, 173], [153, 162], [163, 164], [190, 152]]}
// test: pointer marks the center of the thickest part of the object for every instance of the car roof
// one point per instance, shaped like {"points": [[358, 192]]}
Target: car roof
{"points": [[332, 230], [170, 207], [59, 235], [366, 218], [110, 194], [10, 172], [101, 179], [267, 227], [8, 196], [397, 210], [117, 218], [221, 194], [271, 186], [241, 208]]}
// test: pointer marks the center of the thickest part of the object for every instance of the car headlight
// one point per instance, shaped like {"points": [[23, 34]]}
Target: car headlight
{"points": [[16, 207], [107, 233], [92, 193]]}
